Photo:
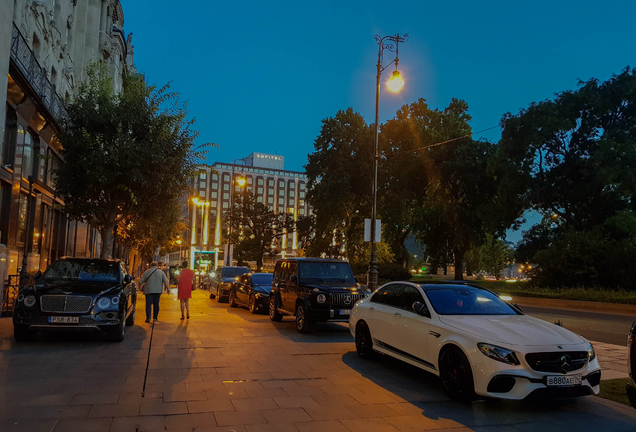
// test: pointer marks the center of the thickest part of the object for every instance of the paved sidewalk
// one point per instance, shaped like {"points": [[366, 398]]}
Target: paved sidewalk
{"points": [[228, 370]]}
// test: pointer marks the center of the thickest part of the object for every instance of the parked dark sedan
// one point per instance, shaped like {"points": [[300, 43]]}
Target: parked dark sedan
{"points": [[631, 365], [77, 294], [251, 290], [222, 279]]}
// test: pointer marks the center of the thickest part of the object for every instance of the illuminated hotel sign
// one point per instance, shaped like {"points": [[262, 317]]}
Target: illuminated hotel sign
{"points": [[266, 156], [264, 160]]}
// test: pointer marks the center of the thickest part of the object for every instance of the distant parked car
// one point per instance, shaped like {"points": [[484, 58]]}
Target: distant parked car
{"points": [[222, 280], [478, 344], [631, 365], [251, 290], [77, 294], [313, 290]]}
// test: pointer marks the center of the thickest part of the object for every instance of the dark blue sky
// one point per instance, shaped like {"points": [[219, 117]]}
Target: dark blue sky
{"points": [[261, 75]]}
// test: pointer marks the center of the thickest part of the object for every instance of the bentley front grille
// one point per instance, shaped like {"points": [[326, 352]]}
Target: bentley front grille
{"points": [[66, 303], [344, 300]]}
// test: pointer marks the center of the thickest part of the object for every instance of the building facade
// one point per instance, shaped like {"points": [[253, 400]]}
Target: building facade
{"points": [[265, 176], [45, 47]]}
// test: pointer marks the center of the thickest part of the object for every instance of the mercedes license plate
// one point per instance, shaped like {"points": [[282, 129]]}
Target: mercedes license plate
{"points": [[345, 312], [64, 320], [563, 381]]}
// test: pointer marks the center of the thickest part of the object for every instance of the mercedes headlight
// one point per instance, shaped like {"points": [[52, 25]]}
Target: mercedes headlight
{"points": [[29, 301], [498, 353], [591, 355], [20, 297], [321, 298]]}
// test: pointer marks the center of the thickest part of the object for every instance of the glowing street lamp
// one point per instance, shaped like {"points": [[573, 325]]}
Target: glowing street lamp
{"points": [[396, 82]]}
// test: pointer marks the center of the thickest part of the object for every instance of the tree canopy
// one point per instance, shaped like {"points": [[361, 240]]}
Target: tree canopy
{"points": [[127, 155]]}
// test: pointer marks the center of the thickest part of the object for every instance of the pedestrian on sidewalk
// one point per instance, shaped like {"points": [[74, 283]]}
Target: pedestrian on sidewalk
{"points": [[153, 282], [166, 270], [184, 290]]}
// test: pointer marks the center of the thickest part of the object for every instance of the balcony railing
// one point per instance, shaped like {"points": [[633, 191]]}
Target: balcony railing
{"points": [[25, 59]]}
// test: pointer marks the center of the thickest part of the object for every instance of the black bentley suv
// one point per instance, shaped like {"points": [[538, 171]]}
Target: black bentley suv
{"points": [[313, 290], [77, 294]]}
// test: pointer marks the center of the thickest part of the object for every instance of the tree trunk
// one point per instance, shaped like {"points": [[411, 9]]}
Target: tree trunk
{"points": [[259, 263], [459, 262], [107, 240]]}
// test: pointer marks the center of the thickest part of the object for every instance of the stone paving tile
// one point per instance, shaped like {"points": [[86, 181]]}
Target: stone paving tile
{"points": [[27, 425], [83, 425], [419, 422], [145, 423], [211, 406], [163, 408], [331, 413], [190, 421], [368, 425], [321, 426], [232, 418], [254, 404], [278, 427], [114, 410], [288, 415], [296, 402]]}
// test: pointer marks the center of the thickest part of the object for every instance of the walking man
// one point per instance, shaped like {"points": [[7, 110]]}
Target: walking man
{"points": [[166, 271], [153, 282]]}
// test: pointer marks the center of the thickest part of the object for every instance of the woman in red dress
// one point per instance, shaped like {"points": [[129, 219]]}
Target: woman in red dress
{"points": [[186, 276]]}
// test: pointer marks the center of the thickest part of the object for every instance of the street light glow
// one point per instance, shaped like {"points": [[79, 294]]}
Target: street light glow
{"points": [[396, 82], [241, 181]]}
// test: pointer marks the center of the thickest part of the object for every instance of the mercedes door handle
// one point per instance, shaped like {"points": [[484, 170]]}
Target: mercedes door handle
{"points": [[371, 308], [397, 314]]}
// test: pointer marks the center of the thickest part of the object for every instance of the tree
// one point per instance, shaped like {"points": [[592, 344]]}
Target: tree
{"points": [[572, 159], [255, 228], [339, 187], [491, 257], [126, 154]]}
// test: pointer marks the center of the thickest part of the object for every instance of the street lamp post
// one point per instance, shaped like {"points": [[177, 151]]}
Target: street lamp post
{"points": [[396, 82]]}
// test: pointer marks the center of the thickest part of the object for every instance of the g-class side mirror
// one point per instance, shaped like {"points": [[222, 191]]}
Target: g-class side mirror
{"points": [[127, 279], [37, 275], [294, 279], [421, 309]]}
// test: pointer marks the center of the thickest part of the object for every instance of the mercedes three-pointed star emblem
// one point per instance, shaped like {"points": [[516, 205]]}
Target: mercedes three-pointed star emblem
{"points": [[565, 363]]}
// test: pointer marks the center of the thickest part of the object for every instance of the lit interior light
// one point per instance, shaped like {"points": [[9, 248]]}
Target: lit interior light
{"points": [[396, 82]]}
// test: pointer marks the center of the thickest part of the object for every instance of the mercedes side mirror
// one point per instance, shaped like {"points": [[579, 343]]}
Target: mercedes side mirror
{"points": [[421, 309]]}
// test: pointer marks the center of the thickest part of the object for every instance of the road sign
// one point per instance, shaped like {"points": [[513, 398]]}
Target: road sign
{"points": [[367, 230]]}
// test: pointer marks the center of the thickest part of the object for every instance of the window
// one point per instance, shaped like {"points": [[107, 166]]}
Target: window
{"points": [[291, 202], [302, 195], [214, 185], [281, 192], [214, 195], [270, 200], [215, 177], [301, 212], [409, 296], [301, 203], [281, 184], [259, 191], [302, 186], [270, 191], [281, 201], [202, 193], [250, 180], [213, 204], [270, 183], [226, 205], [259, 199], [259, 182], [226, 196], [388, 295], [203, 176], [226, 186], [10, 137]]}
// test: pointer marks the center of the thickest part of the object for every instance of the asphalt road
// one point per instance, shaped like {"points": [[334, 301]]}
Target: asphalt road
{"points": [[601, 327]]}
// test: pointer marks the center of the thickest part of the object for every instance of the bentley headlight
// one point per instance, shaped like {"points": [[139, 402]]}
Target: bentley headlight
{"points": [[498, 353], [321, 298], [103, 303], [115, 300], [591, 355], [29, 301]]}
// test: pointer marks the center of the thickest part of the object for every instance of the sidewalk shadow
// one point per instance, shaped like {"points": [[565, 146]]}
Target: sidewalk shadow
{"points": [[424, 392]]}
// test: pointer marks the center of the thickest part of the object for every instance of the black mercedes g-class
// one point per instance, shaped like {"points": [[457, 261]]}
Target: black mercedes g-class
{"points": [[313, 290]]}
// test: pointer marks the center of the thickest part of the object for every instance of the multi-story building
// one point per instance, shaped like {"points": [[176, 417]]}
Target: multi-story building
{"points": [[265, 176], [45, 46]]}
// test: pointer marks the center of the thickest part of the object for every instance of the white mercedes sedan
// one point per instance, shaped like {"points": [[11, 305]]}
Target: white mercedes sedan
{"points": [[477, 343]]}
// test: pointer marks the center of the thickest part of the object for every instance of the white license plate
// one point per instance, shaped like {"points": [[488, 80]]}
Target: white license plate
{"points": [[64, 320], [563, 381], [345, 311]]}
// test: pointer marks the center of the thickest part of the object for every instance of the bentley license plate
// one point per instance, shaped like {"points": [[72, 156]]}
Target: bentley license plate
{"points": [[345, 311], [563, 381], [64, 320]]}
